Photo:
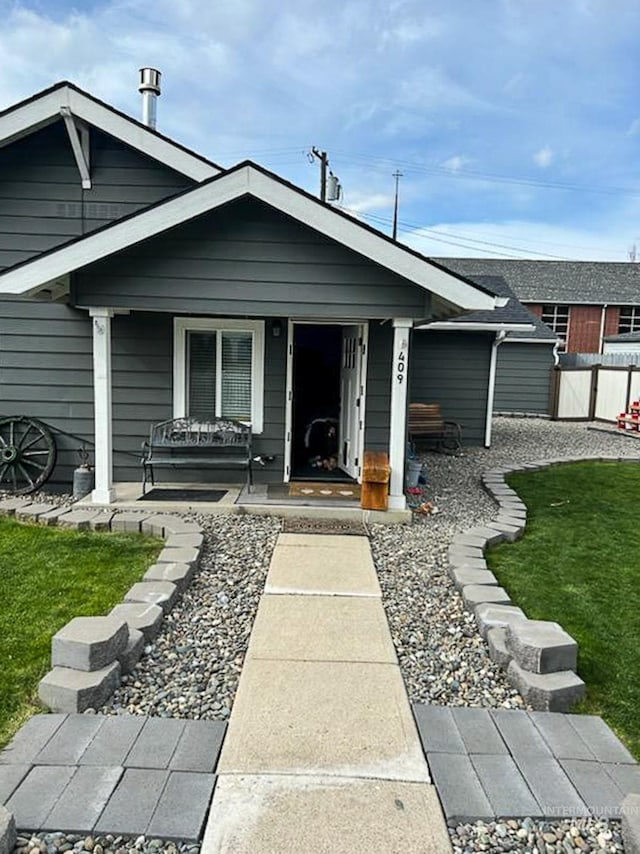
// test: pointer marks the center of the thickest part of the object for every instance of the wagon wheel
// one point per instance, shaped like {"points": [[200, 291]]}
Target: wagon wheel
{"points": [[27, 454]]}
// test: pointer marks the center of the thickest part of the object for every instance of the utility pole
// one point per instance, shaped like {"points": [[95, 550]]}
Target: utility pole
{"points": [[397, 175], [324, 163]]}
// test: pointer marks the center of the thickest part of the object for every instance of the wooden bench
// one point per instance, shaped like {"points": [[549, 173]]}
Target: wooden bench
{"points": [[426, 422], [191, 443]]}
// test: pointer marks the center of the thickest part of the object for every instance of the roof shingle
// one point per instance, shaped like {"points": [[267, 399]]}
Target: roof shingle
{"points": [[587, 282]]}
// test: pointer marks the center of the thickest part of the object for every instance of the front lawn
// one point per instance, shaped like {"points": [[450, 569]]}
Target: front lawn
{"points": [[579, 565], [47, 577]]}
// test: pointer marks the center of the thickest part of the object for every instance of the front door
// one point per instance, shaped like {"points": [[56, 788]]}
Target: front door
{"points": [[351, 400], [310, 399]]}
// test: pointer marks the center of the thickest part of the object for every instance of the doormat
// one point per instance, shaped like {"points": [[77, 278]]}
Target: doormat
{"points": [[211, 495], [324, 526], [323, 489]]}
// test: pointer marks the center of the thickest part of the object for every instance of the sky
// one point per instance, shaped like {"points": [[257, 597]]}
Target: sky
{"points": [[515, 123]]}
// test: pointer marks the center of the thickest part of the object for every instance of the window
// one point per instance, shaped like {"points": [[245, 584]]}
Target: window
{"points": [[629, 319], [557, 318], [218, 369]]}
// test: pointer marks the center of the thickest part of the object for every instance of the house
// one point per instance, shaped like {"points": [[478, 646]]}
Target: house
{"points": [[582, 301], [524, 358], [140, 281]]}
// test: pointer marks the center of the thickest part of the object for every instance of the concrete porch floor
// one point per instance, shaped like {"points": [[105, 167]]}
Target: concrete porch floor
{"points": [[237, 500]]}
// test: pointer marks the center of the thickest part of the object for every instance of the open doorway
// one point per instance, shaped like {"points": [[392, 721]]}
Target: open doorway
{"points": [[317, 359]]}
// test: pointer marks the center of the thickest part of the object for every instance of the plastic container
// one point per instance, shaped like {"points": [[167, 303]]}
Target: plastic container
{"points": [[412, 471]]}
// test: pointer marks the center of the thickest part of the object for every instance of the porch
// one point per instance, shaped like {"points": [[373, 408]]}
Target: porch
{"points": [[250, 370], [233, 499]]}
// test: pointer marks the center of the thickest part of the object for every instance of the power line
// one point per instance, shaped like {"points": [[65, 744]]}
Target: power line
{"points": [[383, 163], [441, 238]]}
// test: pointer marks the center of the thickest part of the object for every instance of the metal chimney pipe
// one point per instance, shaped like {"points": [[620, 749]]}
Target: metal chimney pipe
{"points": [[150, 89]]}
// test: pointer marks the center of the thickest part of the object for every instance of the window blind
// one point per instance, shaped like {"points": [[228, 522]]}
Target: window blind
{"points": [[236, 374], [201, 374]]}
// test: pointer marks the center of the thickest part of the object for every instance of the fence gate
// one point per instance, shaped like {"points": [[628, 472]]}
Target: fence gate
{"points": [[596, 393]]}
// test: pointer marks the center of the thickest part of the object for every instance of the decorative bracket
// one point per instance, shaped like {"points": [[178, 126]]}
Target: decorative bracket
{"points": [[78, 134]]}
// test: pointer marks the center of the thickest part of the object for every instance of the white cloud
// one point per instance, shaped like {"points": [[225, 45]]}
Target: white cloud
{"points": [[456, 163], [634, 127], [361, 203], [543, 157]]}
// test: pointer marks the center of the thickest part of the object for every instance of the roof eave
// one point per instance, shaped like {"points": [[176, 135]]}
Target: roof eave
{"points": [[42, 110]]}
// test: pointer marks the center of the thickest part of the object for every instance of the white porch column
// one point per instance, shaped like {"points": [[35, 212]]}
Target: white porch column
{"points": [[103, 492], [398, 431]]}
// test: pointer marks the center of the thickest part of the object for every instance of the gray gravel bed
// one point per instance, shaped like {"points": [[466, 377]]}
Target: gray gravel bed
{"points": [[192, 668], [528, 836], [60, 499], [61, 843]]}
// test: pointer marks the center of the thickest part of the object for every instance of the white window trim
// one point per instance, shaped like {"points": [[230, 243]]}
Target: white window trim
{"points": [[182, 325]]}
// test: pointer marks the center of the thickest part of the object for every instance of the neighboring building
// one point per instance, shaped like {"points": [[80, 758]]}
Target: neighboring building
{"points": [[582, 301], [141, 282], [628, 342]]}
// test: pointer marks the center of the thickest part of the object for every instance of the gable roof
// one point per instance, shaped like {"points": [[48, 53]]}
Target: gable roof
{"points": [[564, 282], [452, 290], [508, 317], [44, 108], [513, 312]]}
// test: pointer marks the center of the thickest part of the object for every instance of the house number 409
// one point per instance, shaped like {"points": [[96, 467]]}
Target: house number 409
{"points": [[401, 366]]}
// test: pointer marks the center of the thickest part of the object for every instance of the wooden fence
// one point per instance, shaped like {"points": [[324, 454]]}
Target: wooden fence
{"points": [[598, 393]]}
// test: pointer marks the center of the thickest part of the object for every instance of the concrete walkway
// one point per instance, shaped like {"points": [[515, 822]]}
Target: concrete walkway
{"points": [[322, 753]]}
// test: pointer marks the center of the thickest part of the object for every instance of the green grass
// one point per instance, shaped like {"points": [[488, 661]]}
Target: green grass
{"points": [[579, 565], [47, 577]]}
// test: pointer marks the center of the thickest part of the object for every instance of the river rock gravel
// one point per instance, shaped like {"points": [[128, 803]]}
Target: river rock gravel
{"points": [[69, 843], [538, 837], [192, 668]]}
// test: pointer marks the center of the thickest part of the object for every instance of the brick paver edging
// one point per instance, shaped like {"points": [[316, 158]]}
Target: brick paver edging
{"points": [[90, 654], [538, 656]]}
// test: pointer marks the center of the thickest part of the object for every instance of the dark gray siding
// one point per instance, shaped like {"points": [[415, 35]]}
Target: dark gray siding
{"points": [[142, 365], [248, 259], [452, 369], [46, 372], [42, 203], [378, 403], [523, 378], [142, 394]]}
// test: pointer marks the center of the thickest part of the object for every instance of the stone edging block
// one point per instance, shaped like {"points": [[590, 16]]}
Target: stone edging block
{"points": [[542, 647], [162, 593], [630, 815], [539, 656], [8, 834], [547, 692], [66, 690], [89, 654], [89, 643]]}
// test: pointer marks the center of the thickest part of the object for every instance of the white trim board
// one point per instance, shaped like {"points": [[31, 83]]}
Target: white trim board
{"points": [[243, 181], [43, 109], [461, 326]]}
